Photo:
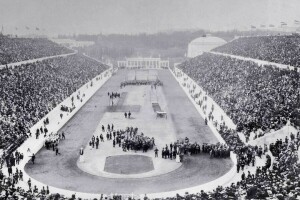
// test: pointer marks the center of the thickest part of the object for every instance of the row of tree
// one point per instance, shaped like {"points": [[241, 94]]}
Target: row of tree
{"points": [[165, 45]]}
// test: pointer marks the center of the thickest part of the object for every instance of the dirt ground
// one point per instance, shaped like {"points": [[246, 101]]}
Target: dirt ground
{"points": [[62, 171]]}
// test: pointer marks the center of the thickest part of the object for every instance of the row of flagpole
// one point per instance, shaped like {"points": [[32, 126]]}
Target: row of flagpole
{"points": [[282, 25], [25, 29]]}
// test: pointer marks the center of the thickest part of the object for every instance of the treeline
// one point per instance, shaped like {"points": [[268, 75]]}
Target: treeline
{"points": [[165, 45], [116, 46]]}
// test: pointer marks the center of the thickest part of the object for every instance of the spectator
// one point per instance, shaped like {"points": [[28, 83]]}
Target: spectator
{"points": [[283, 49], [21, 49]]}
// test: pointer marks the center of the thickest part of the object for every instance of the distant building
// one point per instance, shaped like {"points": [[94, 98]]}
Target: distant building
{"points": [[203, 44], [147, 63], [73, 43]]}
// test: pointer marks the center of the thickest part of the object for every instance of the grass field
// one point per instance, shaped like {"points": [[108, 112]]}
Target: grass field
{"points": [[183, 121], [128, 164]]}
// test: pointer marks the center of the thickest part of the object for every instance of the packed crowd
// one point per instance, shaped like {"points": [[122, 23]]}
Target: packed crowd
{"points": [[10, 190], [282, 49], [30, 91], [280, 180], [127, 139], [113, 95], [177, 150], [52, 140], [268, 100], [20, 49], [253, 97], [142, 82], [216, 150], [134, 141]]}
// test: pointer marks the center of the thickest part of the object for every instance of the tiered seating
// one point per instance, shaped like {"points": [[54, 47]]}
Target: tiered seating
{"points": [[253, 97], [281, 181], [278, 49], [30, 91], [21, 49]]}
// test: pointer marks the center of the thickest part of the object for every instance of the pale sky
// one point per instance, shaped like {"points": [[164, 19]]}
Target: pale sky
{"points": [[135, 16]]}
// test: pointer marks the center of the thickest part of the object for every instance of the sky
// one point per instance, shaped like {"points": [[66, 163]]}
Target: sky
{"points": [[141, 16]]}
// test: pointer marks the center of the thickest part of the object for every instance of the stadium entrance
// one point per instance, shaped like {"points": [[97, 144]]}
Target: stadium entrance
{"points": [[144, 63]]}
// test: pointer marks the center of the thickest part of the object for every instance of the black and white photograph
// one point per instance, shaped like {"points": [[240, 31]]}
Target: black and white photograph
{"points": [[149, 99]]}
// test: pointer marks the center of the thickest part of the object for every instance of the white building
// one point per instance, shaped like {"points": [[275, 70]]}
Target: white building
{"points": [[203, 44], [147, 63]]}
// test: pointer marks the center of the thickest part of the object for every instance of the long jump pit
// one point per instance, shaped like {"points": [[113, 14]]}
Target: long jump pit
{"points": [[108, 169]]}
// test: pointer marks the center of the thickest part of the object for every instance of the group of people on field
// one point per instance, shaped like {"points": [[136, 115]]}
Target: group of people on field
{"points": [[127, 139]]}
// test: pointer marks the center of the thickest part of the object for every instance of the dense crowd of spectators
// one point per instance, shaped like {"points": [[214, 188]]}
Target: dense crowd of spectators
{"points": [[141, 82], [185, 147], [279, 181], [282, 49], [30, 91], [20, 49], [254, 97], [130, 139]]}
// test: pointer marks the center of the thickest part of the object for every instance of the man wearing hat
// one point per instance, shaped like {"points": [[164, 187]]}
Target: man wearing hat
{"points": [[81, 152]]}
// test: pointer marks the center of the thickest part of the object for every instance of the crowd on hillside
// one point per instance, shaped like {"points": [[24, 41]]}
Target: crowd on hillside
{"points": [[19, 49], [253, 97], [282, 49], [30, 91]]}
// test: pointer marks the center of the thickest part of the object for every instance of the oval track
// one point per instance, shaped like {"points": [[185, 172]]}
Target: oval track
{"points": [[62, 171]]}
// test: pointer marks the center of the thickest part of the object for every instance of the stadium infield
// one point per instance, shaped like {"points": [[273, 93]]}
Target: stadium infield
{"points": [[62, 171]]}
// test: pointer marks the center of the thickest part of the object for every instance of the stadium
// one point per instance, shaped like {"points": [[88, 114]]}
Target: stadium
{"points": [[181, 115]]}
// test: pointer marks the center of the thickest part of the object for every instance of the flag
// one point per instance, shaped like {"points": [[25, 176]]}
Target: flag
{"points": [[262, 26], [27, 28], [283, 24], [253, 26], [37, 29]]}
